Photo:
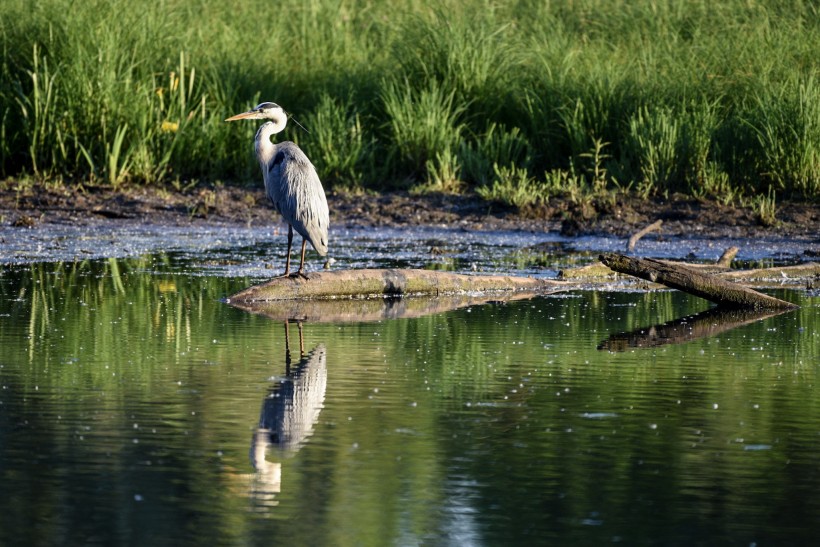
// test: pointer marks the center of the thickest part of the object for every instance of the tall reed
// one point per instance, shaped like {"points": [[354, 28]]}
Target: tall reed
{"points": [[716, 100]]}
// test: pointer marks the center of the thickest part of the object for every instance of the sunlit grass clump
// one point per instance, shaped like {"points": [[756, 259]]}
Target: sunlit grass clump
{"points": [[518, 102]]}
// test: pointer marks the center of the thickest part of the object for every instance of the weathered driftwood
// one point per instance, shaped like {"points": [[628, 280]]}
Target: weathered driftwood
{"points": [[356, 310], [728, 255], [702, 268], [380, 284], [595, 270], [638, 235], [370, 283], [723, 264], [798, 272], [721, 292], [686, 329], [759, 277]]}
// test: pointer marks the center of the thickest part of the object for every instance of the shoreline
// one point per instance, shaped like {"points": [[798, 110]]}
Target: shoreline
{"points": [[35, 205]]}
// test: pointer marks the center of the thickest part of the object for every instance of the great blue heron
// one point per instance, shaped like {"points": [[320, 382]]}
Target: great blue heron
{"points": [[291, 182]]}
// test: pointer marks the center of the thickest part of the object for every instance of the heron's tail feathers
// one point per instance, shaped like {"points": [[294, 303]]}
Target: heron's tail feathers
{"points": [[320, 244]]}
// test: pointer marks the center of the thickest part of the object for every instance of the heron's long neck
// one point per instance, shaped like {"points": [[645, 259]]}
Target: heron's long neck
{"points": [[265, 149]]}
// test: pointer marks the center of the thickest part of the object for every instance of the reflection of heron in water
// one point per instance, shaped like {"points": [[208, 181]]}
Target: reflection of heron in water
{"points": [[290, 409]]}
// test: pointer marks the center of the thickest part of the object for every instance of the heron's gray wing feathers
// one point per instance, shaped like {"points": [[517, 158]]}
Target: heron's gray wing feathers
{"points": [[294, 189]]}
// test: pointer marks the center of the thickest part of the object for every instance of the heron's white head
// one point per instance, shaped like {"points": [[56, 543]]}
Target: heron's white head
{"points": [[265, 111]]}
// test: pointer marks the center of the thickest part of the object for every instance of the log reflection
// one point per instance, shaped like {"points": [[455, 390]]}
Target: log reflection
{"points": [[702, 325], [370, 309], [290, 410]]}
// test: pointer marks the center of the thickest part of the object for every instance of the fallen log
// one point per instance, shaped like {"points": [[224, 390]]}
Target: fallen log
{"points": [[797, 272], [380, 283], [600, 270], [759, 277], [589, 271], [723, 293]]}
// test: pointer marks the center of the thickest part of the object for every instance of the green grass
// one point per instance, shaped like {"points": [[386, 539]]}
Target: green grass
{"points": [[517, 101]]}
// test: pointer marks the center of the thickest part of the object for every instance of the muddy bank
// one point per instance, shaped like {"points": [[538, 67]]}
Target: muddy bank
{"points": [[30, 206]]}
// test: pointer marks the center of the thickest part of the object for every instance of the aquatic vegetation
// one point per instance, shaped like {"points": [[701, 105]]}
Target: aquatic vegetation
{"points": [[510, 99]]}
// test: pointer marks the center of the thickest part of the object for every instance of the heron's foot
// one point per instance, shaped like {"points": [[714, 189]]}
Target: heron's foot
{"points": [[293, 275]]}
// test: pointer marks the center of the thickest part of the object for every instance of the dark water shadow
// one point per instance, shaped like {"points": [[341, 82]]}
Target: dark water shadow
{"points": [[706, 324], [290, 410]]}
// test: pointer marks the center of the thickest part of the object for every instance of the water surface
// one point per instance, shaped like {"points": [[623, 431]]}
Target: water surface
{"points": [[137, 408]]}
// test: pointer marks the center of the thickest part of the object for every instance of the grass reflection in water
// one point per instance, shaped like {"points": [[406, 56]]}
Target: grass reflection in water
{"points": [[131, 395]]}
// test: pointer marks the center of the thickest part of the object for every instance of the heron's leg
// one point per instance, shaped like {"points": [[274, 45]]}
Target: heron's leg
{"points": [[290, 246], [287, 348], [301, 270]]}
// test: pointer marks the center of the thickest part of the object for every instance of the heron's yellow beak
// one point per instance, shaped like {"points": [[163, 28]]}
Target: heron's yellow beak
{"points": [[243, 116]]}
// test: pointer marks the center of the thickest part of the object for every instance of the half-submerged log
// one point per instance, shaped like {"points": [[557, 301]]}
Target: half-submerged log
{"points": [[760, 277], [780, 274], [371, 283], [723, 293], [595, 271]]}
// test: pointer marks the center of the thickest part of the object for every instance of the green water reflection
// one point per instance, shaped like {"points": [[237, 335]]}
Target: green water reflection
{"points": [[137, 408]]}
